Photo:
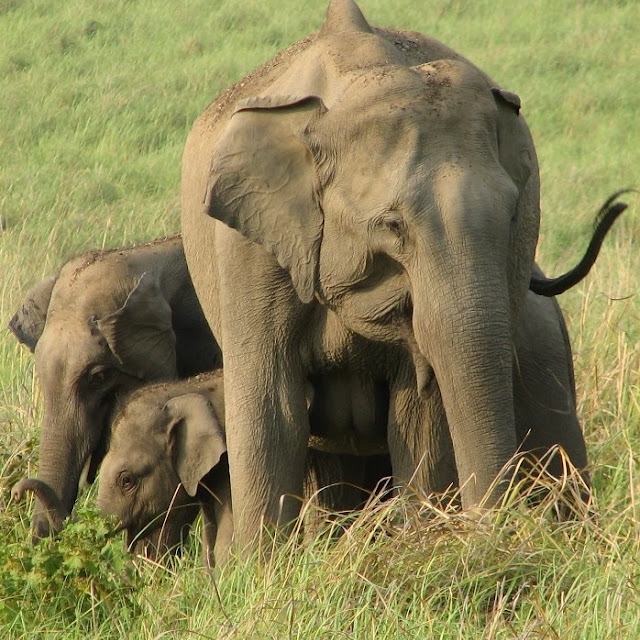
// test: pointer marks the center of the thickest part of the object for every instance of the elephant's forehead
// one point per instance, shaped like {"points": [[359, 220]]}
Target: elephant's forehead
{"points": [[96, 289], [139, 420], [134, 442], [66, 348], [133, 452], [444, 89], [411, 126], [134, 449]]}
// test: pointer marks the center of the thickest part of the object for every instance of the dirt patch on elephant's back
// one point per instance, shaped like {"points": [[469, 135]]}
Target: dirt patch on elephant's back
{"points": [[253, 83]]}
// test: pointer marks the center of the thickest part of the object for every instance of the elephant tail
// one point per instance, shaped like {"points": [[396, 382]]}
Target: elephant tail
{"points": [[56, 514], [607, 215]]}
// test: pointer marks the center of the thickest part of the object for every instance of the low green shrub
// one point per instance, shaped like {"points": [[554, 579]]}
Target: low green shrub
{"points": [[79, 573]]}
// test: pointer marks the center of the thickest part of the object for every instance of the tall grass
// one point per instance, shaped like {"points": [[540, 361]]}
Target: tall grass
{"points": [[97, 100]]}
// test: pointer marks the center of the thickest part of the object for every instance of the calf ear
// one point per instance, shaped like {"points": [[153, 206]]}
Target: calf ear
{"points": [[28, 321], [196, 438], [140, 334]]}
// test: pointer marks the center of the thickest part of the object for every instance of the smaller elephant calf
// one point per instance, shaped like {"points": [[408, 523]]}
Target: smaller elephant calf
{"points": [[168, 449]]}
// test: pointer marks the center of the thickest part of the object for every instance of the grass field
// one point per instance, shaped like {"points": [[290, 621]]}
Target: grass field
{"points": [[96, 102]]}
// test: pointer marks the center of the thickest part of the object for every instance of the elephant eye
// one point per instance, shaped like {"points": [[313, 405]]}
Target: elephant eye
{"points": [[127, 482], [99, 376], [396, 226], [391, 222]]}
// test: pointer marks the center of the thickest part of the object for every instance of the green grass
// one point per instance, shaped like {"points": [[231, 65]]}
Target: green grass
{"points": [[97, 100]]}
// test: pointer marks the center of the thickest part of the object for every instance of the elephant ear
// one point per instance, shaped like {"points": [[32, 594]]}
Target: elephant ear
{"points": [[508, 97], [513, 143], [262, 183], [27, 323], [140, 334], [196, 438]]}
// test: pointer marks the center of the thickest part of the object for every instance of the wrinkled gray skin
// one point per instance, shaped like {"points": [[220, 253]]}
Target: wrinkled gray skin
{"points": [[365, 204], [172, 433], [168, 449], [109, 322], [170, 436]]}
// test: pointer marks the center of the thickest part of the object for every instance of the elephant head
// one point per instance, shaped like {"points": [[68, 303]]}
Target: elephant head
{"points": [[404, 198], [98, 330], [162, 446]]}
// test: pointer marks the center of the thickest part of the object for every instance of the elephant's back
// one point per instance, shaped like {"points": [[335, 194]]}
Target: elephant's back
{"points": [[221, 108]]}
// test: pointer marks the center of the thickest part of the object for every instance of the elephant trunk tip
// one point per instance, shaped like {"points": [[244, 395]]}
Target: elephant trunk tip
{"points": [[55, 513], [20, 489]]}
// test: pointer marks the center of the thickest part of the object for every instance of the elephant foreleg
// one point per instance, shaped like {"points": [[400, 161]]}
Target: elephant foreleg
{"points": [[265, 383]]}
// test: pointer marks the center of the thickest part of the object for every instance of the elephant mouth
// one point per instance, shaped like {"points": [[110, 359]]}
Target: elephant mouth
{"points": [[397, 306], [136, 539], [377, 304], [153, 539], [92, 464], [95, 459], [132, 540]]}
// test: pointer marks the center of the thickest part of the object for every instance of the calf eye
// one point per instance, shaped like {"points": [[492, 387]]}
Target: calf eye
{"points": [[127, 482]]}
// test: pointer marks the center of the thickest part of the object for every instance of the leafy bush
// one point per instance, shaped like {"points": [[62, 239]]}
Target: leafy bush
{"points": [[83, 571]]}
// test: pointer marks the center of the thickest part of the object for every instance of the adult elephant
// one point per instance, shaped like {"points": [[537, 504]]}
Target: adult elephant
{"points": [[364, 205], [106, 324]]}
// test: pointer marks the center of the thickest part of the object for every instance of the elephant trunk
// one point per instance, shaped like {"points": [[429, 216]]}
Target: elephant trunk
{"points": [[64, 451], [464, 331], [53, 509]]}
